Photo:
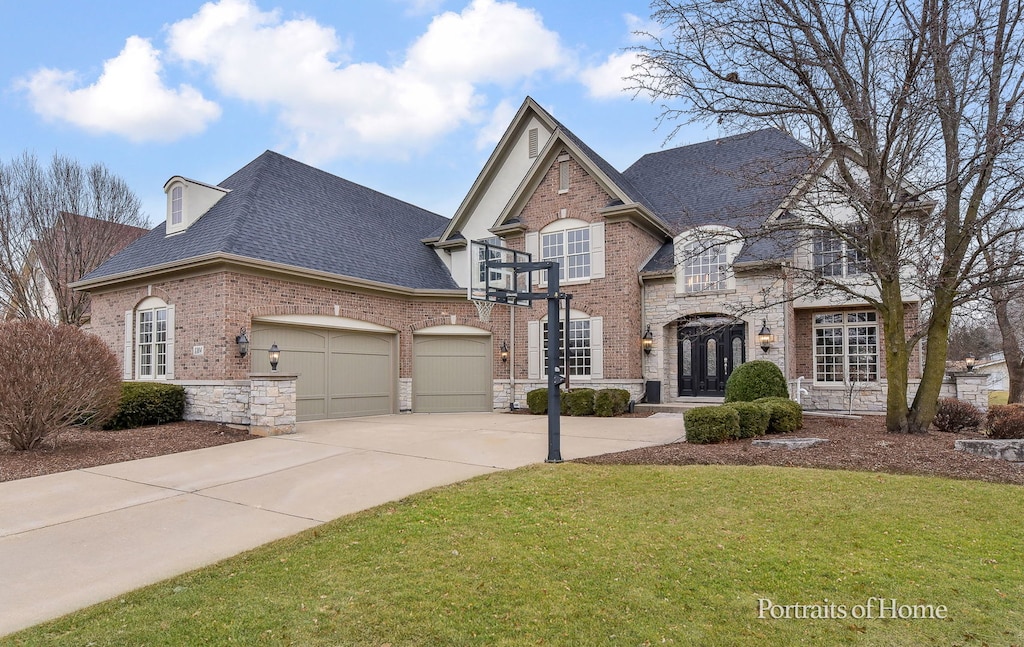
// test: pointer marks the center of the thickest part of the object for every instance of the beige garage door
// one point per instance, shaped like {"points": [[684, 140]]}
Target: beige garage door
{"points": [[452, 373], [341, 373]]}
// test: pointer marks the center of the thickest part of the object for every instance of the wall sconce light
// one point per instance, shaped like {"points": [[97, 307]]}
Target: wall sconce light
{"points": [[243, 343], [275, 356], [765, 338], [504, 351], [647, 341], [970, 361]]}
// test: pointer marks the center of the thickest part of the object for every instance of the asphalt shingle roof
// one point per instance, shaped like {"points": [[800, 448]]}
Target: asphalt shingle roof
{"points": [[283, 211], [735, 182]]}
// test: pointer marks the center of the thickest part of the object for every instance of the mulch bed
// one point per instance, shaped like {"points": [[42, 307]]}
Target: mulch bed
{"points": [[82, 448], [861, 445]]}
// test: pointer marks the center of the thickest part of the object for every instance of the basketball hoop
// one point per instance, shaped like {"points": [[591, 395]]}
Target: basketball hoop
{"points": [[483, 310]]}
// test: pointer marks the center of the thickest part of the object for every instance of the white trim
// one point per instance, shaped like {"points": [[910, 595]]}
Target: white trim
{"points": [[533, 350], [129, 336], [324, 321], [456, 329]]}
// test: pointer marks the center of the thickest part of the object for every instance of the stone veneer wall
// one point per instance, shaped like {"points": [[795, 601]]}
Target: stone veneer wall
{"points": [[266, 403], [870, 397]]}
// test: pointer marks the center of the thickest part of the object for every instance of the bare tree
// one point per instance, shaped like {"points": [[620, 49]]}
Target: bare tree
{"points": [[58, 223], [916, 108]]}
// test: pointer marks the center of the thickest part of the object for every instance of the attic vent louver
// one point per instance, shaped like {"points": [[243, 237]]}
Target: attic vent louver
{"points": [[533, 142]]}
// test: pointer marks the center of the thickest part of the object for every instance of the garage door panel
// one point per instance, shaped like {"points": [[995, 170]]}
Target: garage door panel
{"points": [[452, 373], [341, 373]]}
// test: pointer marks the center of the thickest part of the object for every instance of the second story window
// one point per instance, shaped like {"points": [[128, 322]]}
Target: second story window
{"points": [[835, 256], [571, 248], [176, 201], [705, 266]]}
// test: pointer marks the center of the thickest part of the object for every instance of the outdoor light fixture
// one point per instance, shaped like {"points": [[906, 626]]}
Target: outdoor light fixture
{"points": [[275, 356], [647, 341], [970, 361], [504, 351], [243, 343], [765, 336]]}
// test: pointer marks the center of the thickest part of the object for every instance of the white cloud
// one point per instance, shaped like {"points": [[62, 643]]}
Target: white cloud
{"points": [[129, 99], [332, 106], [608, 80], [501, 117]]}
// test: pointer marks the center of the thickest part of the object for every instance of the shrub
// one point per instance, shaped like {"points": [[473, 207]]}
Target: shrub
{"points": [[711, 424], [147, 403], [537, 401], [578, 402], [786, 415], [1006, 421], [755, 380], [955, 416], [611, 402], [754, 418], [53, 378]]}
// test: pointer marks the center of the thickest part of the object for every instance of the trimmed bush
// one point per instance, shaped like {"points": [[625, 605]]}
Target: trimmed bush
{"points": [[53, 378], [711, 424], [754, 418], [755, 380], [578, 402], [1006, 422], [786, 415], [611, 402], [537, 401], [148, 403], [956, 416]]}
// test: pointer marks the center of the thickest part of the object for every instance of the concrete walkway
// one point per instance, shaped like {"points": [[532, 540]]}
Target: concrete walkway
{"points": [[73, 539]]}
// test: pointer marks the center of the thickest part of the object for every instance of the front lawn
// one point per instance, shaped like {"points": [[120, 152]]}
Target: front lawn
{"points": [[609, 555]]}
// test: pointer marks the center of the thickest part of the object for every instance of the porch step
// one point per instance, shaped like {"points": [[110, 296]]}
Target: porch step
{"points": [[679, 405]]}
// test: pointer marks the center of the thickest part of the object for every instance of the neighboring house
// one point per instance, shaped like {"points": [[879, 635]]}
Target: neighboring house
{"points": [[65, 252], [365, 295], [995, 367]]}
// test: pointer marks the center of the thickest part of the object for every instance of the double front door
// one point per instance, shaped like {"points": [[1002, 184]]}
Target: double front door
{"points": [[708, 352]]}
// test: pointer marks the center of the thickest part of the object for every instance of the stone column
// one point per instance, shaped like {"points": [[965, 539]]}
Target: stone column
{"points": [[272, 408], [972, 387]]}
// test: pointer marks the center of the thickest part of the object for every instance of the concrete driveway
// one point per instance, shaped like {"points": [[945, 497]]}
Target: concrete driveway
{"points": [[73, 539]]}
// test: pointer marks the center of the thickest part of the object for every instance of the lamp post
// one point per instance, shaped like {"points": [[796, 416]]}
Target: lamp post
{"points": [[764, 338], [275, 357], [970, 361], [647, 341]]}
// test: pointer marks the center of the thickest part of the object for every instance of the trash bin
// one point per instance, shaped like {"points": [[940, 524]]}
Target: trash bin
{"points": [[652, 395]]}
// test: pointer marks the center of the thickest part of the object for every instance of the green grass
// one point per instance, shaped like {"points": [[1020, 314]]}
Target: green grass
{"points": [[998, 397], [597, 555]]}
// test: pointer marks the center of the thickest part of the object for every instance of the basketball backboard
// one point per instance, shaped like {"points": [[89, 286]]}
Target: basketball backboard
{"points": [[497, 284]]}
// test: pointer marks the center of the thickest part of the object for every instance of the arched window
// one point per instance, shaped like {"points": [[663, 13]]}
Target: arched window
{"points": [[177, 198], [577, 246], [149, 339], [704, 257]]}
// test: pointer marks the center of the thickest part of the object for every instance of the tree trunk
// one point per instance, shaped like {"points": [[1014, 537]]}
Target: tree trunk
{"points": [[896, 358], [1010, 344], [926, 401]]}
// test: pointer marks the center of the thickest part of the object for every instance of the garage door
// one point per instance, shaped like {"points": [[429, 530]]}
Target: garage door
{"points": [[341, 373], [452, 373]]}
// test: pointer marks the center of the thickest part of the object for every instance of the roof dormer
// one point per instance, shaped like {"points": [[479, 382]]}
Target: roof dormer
{"points": [[187, 201]]}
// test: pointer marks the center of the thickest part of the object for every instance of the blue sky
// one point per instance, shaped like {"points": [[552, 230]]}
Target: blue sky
{"points": [[405, 96]]}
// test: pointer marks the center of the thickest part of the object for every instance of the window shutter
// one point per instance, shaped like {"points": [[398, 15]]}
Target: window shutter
{"points": [[597, 250], [533, 249], [129, 329], [533, 348], [597, 347], [533, 141], [170, 342]]}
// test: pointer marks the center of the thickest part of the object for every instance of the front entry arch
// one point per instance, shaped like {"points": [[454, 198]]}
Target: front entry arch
{"points": [[709, 349]]}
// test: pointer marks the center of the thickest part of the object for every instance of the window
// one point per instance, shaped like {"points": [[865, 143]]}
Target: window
{"points": [[705, 266], [563, 177], [493, 255], [571, 249], [846, 347], [836, 257], [151, 343], [580, 356], [176, 200]]}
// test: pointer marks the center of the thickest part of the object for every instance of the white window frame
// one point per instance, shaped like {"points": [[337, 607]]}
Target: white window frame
{"points": [[149, 341], [581, 353], [177, 205], [833, 257], [857, 334], [596, 270], [589, 365], [573, 253], [703, 260]]}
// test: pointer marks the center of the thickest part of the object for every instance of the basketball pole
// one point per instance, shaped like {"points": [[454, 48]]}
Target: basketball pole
{"points": [[555, 378]]}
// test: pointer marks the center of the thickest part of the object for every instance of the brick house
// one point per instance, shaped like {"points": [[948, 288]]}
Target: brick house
{"points": [[365, 295]]}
